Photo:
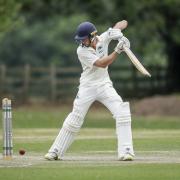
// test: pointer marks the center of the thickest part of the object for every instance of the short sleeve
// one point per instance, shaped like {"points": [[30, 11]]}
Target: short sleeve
{"points": [[105, 38], [88, 57]]}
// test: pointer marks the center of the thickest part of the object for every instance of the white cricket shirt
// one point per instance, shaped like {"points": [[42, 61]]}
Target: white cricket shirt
{"points": [[93, 75]]}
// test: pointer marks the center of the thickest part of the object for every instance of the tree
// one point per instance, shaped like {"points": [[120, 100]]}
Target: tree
{"points": [[153, 25], [8, 14], [156, 20], [42, 43]]}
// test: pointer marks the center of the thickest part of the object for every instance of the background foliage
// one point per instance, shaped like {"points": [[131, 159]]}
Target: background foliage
{"points": [[45, 30]]}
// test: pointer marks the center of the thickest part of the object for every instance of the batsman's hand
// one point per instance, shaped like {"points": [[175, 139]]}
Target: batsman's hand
{"points": [[114, 34], [126, 42], [119, 46], [122, 42]]}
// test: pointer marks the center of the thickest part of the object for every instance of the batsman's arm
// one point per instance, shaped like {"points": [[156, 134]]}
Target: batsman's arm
{"points": [[121, 25], [106, 60]]}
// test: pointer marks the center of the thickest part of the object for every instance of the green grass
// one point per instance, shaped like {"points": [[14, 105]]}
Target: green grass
{"points": [[39, 140], [34, 130], [127, 172], [35, 117], [91, 141]]}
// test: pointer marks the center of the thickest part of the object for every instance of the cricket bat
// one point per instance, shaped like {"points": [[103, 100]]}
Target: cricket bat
{"points": [[136, 62]]}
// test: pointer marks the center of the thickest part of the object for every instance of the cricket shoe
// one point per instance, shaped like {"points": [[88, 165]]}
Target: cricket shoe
{"points": [[126, 157], [51, 156]]}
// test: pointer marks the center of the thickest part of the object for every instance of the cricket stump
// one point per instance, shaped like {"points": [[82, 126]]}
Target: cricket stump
{"points": [[7, 129]]}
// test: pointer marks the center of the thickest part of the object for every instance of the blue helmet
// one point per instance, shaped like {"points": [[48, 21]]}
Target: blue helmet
{"points": [[85, 30]]}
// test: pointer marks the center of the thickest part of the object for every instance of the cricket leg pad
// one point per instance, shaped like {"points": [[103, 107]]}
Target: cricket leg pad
{"points": [[70, 128], [123, 130]]}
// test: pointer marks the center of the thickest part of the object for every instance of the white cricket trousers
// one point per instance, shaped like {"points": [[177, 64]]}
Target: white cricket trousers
{"points": [[108, 96]]}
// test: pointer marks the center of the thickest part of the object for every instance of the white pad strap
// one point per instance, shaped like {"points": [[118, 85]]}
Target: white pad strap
{"points": [[124, 116]]}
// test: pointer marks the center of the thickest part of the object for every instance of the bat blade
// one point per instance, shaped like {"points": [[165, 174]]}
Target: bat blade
{"points": [[136, 62]]}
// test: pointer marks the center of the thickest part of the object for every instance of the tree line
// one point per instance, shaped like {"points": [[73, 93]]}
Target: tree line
{"points": [[41, 32]]}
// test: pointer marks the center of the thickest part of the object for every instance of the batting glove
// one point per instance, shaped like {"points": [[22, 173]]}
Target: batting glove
{"points": [[119, 46], [126, 42], [114, 34]]}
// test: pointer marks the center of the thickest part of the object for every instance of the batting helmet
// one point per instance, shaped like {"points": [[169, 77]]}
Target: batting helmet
{"points": [[85, 30]]}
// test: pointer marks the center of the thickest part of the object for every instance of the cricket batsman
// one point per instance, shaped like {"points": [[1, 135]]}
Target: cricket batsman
{"points": [[95, 85]]}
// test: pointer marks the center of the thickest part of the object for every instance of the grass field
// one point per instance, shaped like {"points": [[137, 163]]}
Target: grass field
{"points": [[93, 154]]}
